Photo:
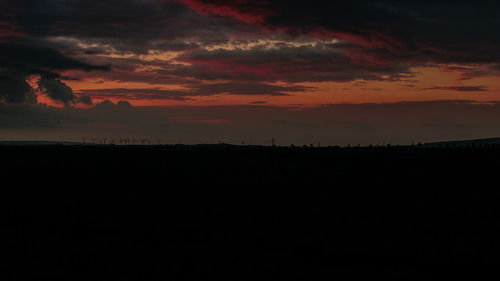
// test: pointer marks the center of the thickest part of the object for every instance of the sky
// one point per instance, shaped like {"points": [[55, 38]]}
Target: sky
{"points": [[210, 71]]}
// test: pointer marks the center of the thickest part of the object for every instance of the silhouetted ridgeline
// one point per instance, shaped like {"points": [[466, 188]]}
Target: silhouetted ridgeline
{"points": [[466, 143], [249, 213]]}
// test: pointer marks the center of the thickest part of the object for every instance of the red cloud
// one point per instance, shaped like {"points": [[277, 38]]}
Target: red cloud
{"points": [[257, 11], [229, 65], [9, 30], [235, 10]]}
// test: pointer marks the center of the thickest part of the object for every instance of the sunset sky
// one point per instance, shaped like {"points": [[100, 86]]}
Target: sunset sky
{"points": [[201, 71]]}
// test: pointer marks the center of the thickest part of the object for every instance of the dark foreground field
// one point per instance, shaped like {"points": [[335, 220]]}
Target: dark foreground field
{"points": [[249, 213]]}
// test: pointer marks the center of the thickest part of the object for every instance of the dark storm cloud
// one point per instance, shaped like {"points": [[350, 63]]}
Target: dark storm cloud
{"points": [[56, 90], [427, 31], [293, 64], [13, 87], [196, 89], [60, 92], [29, 57], [442, 31], [127, 25], [317, 61], [460, 88], [136, 94], [85, 100], [135, 70], [23, 58], [245, 89], [80, 18]]}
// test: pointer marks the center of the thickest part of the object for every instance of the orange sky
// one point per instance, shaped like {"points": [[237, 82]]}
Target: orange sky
{"points": [[417, 88]]}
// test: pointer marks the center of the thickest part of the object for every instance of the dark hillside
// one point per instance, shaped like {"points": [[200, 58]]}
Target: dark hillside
{"points": [[249, 213]]}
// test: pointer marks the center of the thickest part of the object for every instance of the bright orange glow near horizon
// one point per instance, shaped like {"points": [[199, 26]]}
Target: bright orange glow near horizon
{"points": [[428, 84]]}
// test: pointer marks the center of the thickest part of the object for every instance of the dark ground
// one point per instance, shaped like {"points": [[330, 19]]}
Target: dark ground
{"points": [[233, 213]]}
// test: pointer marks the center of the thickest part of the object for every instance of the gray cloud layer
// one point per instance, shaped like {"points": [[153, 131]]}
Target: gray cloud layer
{"points": [[335, 124]]}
